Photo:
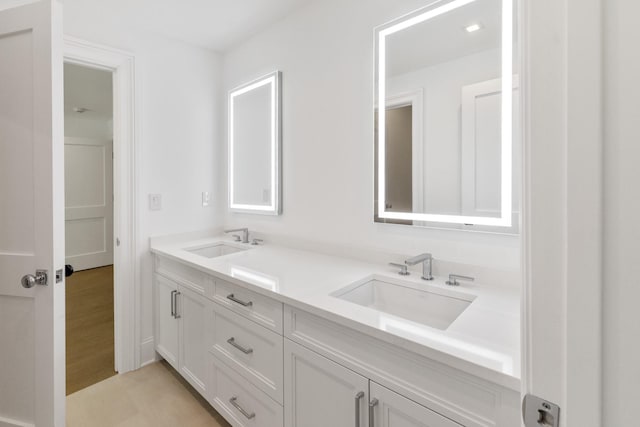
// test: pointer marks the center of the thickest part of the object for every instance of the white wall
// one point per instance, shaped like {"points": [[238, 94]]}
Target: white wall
{"points": [[178, 125], [621, 342], [326, 54]]}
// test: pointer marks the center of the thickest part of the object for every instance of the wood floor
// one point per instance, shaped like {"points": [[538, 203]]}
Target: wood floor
{"points": [[154, 396], [89, 316]]}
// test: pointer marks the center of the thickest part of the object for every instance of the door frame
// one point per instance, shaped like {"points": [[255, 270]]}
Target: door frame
{"points": [[415, 99], [562, 206], [125, 187]]}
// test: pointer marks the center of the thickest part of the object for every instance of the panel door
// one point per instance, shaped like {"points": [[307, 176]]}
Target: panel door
{"points": [[321, 393], [166, 319], [192, 313], [32, 369], [389, 409], [88, 202]]}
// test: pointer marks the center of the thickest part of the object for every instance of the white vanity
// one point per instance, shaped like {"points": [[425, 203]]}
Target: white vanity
{"points": [[273, 336]]}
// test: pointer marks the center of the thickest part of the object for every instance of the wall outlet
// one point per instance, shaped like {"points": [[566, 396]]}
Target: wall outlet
{"points": [[155, 202], [206, 198]]}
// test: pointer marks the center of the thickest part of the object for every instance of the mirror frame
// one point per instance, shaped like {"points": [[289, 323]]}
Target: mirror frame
{"points": [[273, 79], [433, 10]]}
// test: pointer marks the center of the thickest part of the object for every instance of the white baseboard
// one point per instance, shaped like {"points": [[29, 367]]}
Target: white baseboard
{"points": [[147, 351]]}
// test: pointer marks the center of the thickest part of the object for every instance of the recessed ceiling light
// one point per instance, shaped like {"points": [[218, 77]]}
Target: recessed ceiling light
{"points": [[472, 28]]}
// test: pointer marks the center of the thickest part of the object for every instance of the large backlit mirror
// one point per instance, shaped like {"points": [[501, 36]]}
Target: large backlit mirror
{"points": [[447, 146], [255, 146]]}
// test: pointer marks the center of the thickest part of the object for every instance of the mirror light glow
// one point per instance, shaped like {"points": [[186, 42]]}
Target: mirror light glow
{"points": [[505, 219], [257, 278], [273, 80]]}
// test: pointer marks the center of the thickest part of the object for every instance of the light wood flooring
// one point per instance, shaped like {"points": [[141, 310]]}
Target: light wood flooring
{"points": [[89, 317], [154, 396]]}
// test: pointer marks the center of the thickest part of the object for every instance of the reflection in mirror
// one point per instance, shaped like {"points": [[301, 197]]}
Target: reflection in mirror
{"points": [[255, 146], [447, 151]]}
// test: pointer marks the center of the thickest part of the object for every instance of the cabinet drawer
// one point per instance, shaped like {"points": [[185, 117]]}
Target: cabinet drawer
{"points": [[253, 351], [186, 276], [262, 310], [241, 403]]}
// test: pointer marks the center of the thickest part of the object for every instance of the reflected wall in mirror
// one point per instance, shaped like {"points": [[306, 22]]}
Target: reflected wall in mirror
{"points": [[447, 148], [255, 146]]}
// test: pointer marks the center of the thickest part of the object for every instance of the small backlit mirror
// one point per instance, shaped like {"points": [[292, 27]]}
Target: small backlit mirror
{"points": [[255, 146]]}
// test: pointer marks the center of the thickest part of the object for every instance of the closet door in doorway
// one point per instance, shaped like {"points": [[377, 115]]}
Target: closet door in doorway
{"points": [[88, 202]]}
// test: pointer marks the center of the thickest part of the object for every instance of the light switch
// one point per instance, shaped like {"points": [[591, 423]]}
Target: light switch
{"points": [[206, 198], [155, 202]]}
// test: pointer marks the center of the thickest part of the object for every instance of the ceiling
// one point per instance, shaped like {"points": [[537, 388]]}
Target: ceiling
{"points": [[213, 24], [444, 38], [90, 89]]}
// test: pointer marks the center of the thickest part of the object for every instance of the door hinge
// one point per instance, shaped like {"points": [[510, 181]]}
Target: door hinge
{"points": [[537, 412]]}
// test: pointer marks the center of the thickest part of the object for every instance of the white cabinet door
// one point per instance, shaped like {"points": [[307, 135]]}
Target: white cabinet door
{"points": [[31, 215], [389, 409], [191, 312], [166, 320], [321, 393]]}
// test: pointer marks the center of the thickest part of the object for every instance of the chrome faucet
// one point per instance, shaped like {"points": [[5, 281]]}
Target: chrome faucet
{"points": [[427, 263], [245, 233]]}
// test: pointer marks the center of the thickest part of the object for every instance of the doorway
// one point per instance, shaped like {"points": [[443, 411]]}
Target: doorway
{"points": [[89, 230]]}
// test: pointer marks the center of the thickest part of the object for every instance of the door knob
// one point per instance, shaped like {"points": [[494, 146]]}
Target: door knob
{"points": [[68, 270], [29, 280]]}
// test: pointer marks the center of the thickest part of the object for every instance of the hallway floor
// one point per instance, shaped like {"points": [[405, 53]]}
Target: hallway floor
{"points": [[89, 328], [154, 396]]}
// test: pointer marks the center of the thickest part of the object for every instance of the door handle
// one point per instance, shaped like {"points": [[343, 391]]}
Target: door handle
{"points": [[372, 406], [358, 398], [29, 280], [68, 270], [173, 304]]}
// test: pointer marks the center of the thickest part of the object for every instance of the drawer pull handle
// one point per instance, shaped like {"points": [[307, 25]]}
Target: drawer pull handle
{"points": [[233, 342], [235, 404], [175, 297], [239, 301], [173, 304], [372, 406], [359, 397]]}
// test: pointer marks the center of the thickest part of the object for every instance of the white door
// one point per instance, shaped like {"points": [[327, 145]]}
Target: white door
{"points": [[32, 370], [192, 312], [389, 409], [88, 198], [321, 393], [166, 319]]}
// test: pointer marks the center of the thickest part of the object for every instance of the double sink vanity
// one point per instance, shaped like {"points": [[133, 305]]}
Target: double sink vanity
{"points": [[275, 336]]}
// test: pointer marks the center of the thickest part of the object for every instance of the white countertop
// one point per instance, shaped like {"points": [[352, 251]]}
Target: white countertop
{"points": [[483, 341]]}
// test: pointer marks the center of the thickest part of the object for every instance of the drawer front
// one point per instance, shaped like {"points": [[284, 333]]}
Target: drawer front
{"points": [[241, 403], [262, 310], [251, 350], [186, 276], [468, 400]]}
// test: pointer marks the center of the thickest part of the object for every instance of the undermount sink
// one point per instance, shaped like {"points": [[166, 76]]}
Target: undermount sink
{"points": [[425, 306], [216, 249]]}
